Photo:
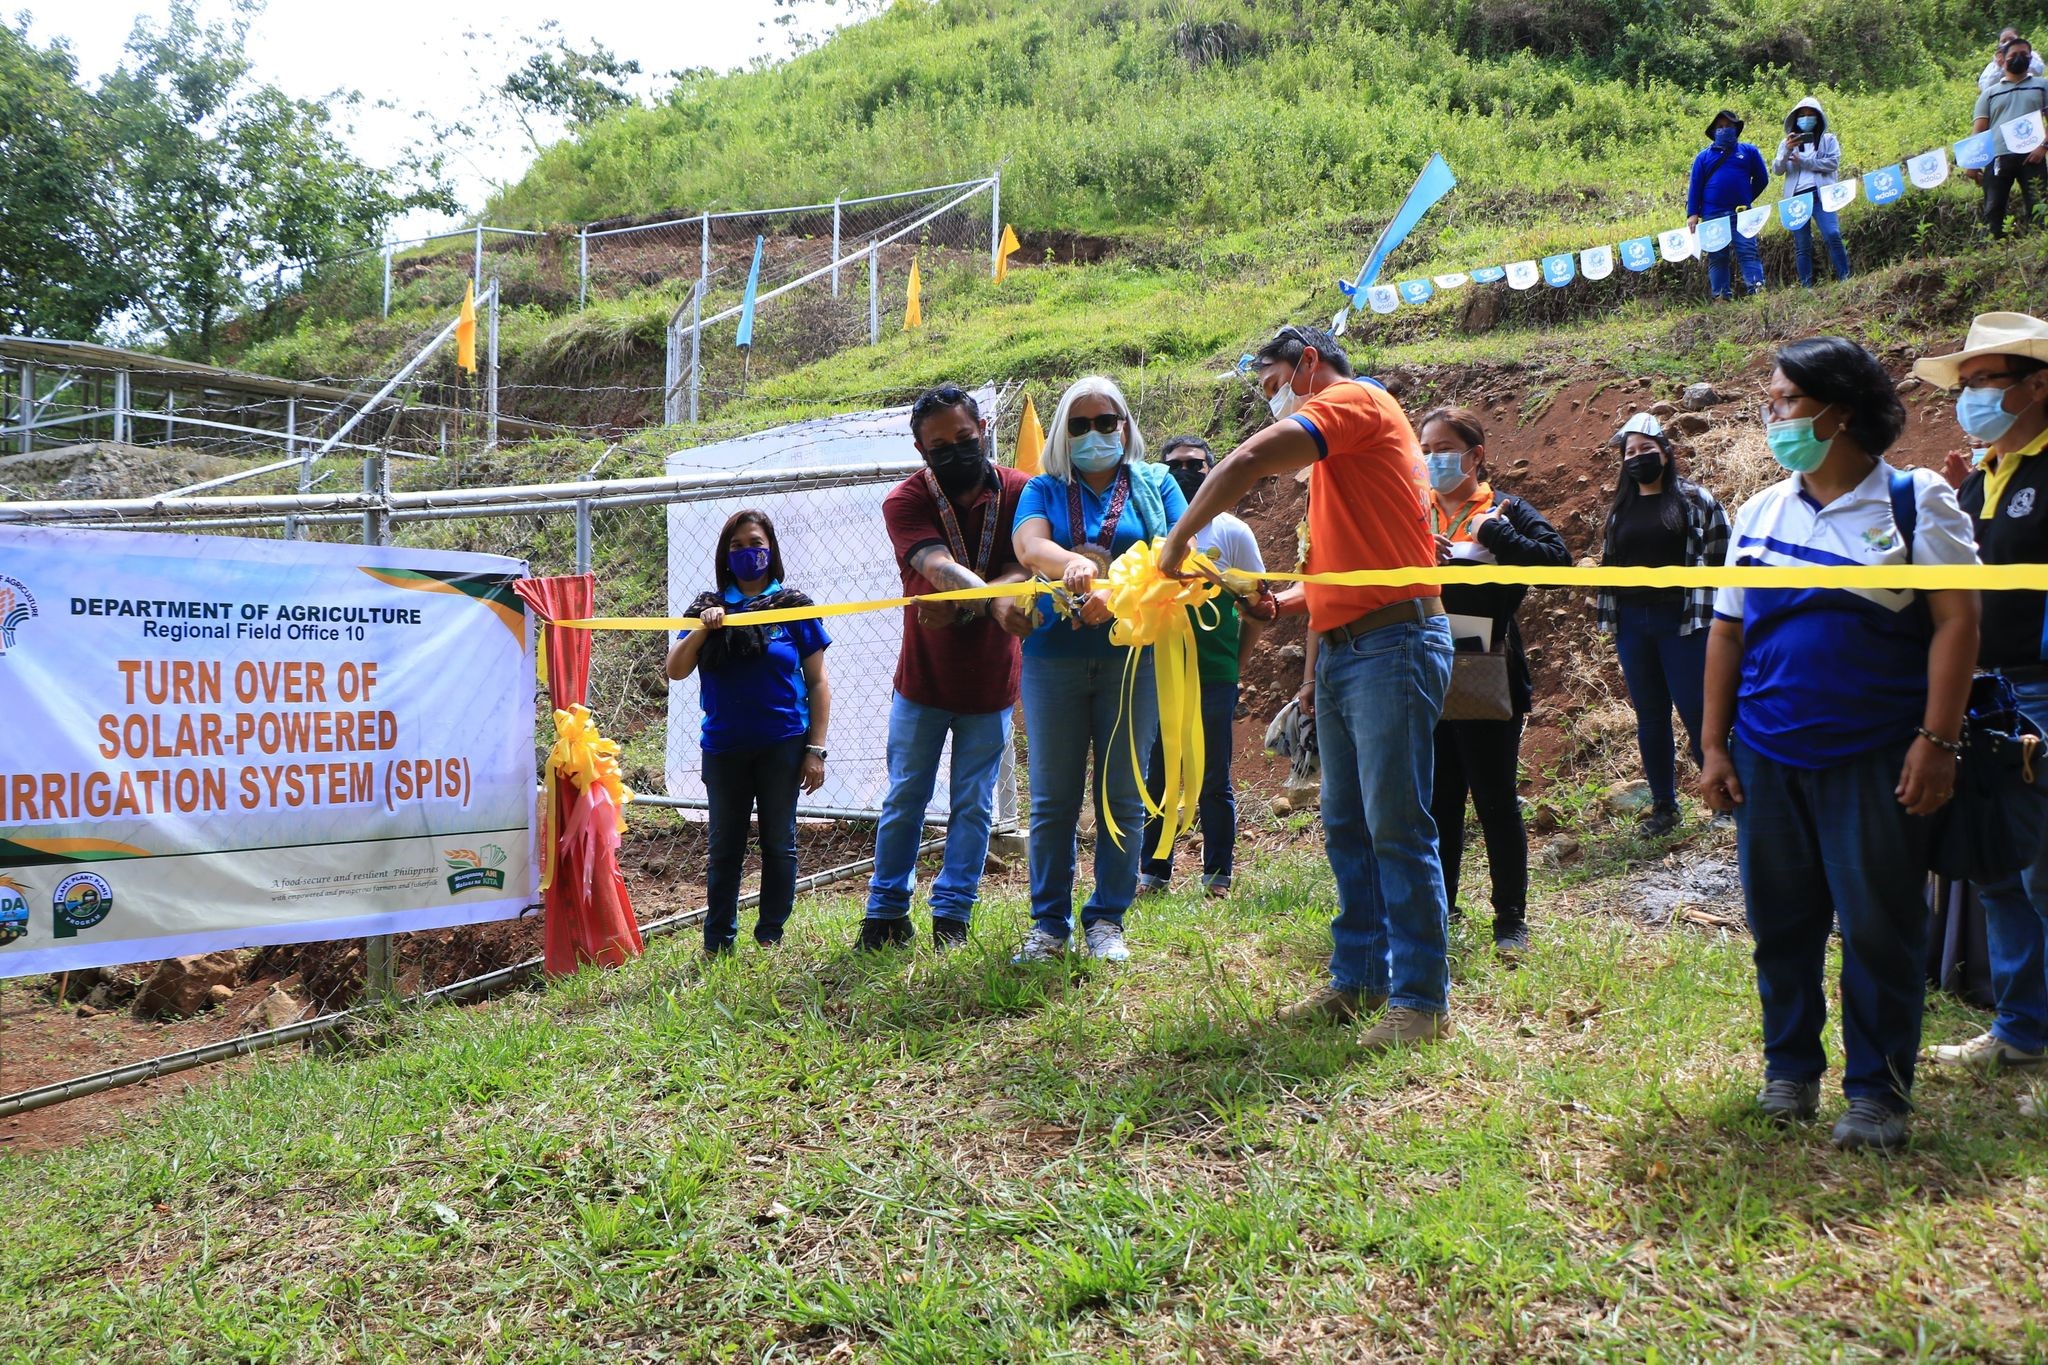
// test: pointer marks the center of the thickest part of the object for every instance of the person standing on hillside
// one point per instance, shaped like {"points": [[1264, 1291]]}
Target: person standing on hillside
{"points": [[1995, 72], [2018, 93], [2002, 371], [1659, 520], [1808, 157], [1833, 721], [1096, 499], [1382, 668], [956, 676], [1224, 634], [1726, 178], [1473, 524]]}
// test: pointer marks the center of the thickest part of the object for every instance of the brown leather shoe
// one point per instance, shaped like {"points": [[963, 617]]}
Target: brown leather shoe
{"points": [[1331, 1004], [1403, 1027]]}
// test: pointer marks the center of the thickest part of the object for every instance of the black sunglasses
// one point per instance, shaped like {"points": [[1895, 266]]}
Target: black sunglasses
{"points": [[1106, 423]]}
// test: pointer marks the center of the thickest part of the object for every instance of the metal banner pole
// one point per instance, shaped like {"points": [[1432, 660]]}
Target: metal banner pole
{"points": [[378, 977], [492, 443], [835, 248]]}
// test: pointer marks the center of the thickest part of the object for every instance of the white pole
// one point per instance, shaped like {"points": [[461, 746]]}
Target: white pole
{"points": [[121, 406], [387, 281], [378, 977], [995, 223], [492, 443], [476, 273], [672, 368], [874, 294], [291, 450], [704, 248], [390, 385], [696, 344], [582, 268], [170, 417], [835, 248]]}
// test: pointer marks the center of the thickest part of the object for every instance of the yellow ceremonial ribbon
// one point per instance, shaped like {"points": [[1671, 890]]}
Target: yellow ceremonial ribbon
{"points": [[587, 759], [1151, 609], [1998, 472]]}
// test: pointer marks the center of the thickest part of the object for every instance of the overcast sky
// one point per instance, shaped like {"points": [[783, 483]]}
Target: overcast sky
{"points": [[412, 55]]}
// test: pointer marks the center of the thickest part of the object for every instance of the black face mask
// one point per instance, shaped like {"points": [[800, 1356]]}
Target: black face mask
{"points": [[961, 467], [2018, 63], [1647, 467], [1189, 477]]}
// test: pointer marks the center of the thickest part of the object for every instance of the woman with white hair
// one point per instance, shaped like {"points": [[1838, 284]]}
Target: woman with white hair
{"points": [[1096, 499]]}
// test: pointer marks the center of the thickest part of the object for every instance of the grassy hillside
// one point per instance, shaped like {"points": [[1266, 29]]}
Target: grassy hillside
{"points": [[805, 1156]]}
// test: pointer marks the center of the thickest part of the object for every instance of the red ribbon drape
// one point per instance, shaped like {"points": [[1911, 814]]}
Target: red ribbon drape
{"points": [[589, 916]]}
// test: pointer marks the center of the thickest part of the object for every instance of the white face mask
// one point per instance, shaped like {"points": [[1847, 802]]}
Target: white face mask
{"points": [[1285, 403]]}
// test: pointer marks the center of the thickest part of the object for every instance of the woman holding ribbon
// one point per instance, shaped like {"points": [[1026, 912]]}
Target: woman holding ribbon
{"points": [[1833, 720], [1096, 499], [1473, 524], [1660, 520], [767, 707]]}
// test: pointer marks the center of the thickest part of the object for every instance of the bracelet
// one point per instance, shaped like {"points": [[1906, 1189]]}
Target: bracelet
{"points": [[1952, 746]]}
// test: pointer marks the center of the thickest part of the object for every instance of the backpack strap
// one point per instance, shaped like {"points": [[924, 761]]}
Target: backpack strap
{"points": [[1905, 506]]}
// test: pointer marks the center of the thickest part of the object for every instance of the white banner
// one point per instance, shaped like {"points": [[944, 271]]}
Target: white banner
{"points": [[216, 743]]}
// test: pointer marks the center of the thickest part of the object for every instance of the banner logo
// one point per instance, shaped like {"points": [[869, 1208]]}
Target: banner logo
{"points": [[479, 869], [13, 910], [17, 605], [81, 901]]}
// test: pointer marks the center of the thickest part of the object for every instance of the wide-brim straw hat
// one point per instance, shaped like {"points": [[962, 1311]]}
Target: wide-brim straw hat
{"points": [[1990, 334]]}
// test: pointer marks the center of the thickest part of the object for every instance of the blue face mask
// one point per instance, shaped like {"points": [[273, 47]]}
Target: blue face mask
{"points": [[1446, 470], [1807, 123], [750, 563], [1794, 445], [1982, 414], [1094, 452], [1724, 137]]}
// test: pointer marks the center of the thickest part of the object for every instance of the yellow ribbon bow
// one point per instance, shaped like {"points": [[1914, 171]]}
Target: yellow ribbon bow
{"points": [[1151, 609], [587, 759]]}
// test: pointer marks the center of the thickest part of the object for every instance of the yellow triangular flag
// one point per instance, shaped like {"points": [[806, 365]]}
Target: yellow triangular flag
{"points": [[465, 332], [1010, 247], [913, 312], [1030, 440]]}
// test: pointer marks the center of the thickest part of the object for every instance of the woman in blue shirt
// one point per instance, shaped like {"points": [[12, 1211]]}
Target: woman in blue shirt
{"points": [[767, 706], [1832, 724], [1096, 499]]}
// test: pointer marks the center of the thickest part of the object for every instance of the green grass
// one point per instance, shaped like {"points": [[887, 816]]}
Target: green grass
{"points": [[809, 1156]]}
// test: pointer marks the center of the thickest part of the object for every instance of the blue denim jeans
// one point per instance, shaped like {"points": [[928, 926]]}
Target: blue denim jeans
{"points": [[1662, 669], [1216, 806], [1072, 708], [917, 734], [1820, 847], [1377, 703], [1743, 250], [737, 784], [1831, 236], [2016, 926]]}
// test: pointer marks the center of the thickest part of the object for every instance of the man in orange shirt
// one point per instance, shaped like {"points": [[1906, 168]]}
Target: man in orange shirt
{"points": [[1382, 667]]}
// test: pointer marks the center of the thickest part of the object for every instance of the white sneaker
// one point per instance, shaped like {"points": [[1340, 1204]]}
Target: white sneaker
{"points": [[1986, 1052], [1039, 946], [1106, 941]]}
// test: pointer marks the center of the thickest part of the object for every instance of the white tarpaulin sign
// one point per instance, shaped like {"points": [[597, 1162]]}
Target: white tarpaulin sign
{"points": [[216, 743]]}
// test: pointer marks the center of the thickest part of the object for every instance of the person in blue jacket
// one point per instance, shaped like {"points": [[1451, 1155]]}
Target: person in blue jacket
{"points": [[1727, 177]]}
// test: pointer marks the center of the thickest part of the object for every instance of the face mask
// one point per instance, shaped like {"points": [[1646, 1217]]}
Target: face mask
{"points": [[1807, 123], [1647, 467], [1446, 470], [961, 468], [1982, 414], [1189, 477], [1794, 445], [1094, 452], [1724, 137], [1286, 402], [2018, 63], [749, 564]]}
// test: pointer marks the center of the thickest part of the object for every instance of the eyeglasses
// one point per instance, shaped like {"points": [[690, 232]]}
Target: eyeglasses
{"points": [[1105, 423], [2000, 379], [1778, 409]]}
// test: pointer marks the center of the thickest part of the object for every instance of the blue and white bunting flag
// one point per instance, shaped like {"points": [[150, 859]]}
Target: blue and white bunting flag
{"points": [[1678, 244], [1796, 212], [1929, 169], [1489, 274], [1639, 253], [1716, 234], [1523, 275], [1597, 262], [1753, 219], [1455, 280], [1974, 152], [1883, 185], [2027, 133], [1560, 270], [1837, 195], [1415, 292], [1383, 298]]}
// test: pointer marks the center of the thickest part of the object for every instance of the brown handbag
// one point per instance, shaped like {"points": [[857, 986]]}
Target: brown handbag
{"points": [[1479, 688]]}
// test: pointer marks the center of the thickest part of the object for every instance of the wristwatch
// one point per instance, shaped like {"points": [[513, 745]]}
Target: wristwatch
{"points": [[818, 750]]}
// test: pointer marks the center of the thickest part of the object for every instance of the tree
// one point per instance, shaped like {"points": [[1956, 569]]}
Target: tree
{"points": [[226, 184], [58, 271], [560, 82]]}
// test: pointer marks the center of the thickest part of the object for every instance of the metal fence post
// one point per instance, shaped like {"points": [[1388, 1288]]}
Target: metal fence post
{"points": [[492, 442], [704, 248], [672, 367], [583, 268], [170, 416], [696, 344], [583, 527], [387, 281], [379, 980], [476, 273], [874, 294], [835, 248], [291, 450], [121, 406], [995, 223]]}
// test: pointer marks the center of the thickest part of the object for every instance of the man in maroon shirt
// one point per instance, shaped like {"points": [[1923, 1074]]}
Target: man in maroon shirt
{"points": [[957, 674]]}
